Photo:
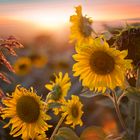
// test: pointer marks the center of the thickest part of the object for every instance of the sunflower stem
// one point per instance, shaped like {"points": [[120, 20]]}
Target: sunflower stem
{"points": [[57, 127], [136, 109], [110, 97], [118, 111], [119, 99]]}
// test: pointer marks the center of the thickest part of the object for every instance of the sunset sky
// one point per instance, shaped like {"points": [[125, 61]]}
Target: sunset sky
{"points": [[54, 13], [28, 18]]}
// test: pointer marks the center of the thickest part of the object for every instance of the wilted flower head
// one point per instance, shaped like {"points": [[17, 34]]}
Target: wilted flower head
{"points": [[129, 39]]}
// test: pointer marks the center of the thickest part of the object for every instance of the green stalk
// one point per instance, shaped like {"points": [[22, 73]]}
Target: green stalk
{"points": [[136, 109], [57, 127], [118, 111], [116, 102]]}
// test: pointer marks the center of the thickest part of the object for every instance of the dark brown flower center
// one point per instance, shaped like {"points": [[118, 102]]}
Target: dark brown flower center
{"points": [[28, 109], [23, 66], [102, 63], [34, 57], [75, 111]]}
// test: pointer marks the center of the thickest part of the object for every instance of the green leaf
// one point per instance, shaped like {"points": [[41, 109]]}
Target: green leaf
{"points": [[54, 105], [59, 137], [133, 94], [93, 132], [89, 94], [66, 133]]}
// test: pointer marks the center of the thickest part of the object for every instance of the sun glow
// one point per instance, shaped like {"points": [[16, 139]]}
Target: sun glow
{"points": [[45, 19], [56, 15], [48, 20]]}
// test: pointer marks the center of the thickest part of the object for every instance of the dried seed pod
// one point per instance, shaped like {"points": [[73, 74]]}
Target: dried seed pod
{"points": [[129, 39], [9, 44]]}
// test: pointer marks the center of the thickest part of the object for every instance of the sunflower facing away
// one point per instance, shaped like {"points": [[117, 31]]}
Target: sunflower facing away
{"points": [[59, 89], [26, 112], [23, 66], [100, 66], [81, 30], [73, 111]]}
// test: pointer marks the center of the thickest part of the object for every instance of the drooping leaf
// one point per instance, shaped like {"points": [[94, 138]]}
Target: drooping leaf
{"points": [[89, 94], [54, 105]]}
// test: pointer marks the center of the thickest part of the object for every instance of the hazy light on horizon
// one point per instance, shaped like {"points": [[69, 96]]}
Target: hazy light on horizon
{"points": [[54, 14]]}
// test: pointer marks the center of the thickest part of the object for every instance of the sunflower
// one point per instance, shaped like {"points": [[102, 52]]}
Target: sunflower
{"points": [[100, 66], [129, 38], [59, 89], [26, 113], [81, 30], [38, 60], [73, 111], [23, 66]]}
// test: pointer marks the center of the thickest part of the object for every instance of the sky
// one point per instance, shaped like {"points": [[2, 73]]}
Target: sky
{"points": [[28, 18], [55, 13]]}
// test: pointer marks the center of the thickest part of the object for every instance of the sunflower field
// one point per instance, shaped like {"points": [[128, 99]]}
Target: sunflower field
{"points": [[88, 91]]}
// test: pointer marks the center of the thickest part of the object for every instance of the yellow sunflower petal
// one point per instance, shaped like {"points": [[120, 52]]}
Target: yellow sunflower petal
{"points": [[28, 115], [101, 67], [72, 109]]}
